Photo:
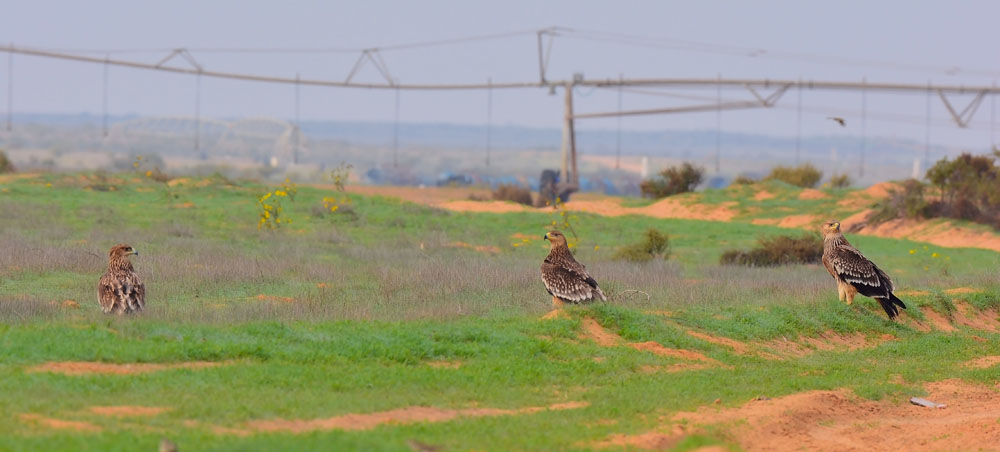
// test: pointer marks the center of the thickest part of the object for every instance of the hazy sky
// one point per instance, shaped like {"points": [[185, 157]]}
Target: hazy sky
{"points": [[925, 38]]}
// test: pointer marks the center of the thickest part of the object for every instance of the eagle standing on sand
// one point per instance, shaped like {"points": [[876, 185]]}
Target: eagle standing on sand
{"points": [[566, 279], [120, 290], [855, 273]]}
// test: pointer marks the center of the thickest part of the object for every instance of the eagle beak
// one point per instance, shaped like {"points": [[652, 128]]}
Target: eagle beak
{"points": [[135, 252], [837, 225], [546, 236]]}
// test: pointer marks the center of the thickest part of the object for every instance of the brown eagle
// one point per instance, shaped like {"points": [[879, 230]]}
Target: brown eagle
{"points": [[120, 290], [566, 279], [855, 273]]}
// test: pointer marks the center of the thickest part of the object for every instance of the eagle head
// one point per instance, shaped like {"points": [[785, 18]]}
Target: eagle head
{"points": [[122, 250], [556, 238], [830, 227]]}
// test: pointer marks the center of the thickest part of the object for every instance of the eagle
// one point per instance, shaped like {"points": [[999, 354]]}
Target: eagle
{"points": [[120, 290], [566, 279], [854, 273]]}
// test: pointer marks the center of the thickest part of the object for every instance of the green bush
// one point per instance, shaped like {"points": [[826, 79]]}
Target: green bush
{"points": [[778, 250], [6, 166], [654, 244], [805, 176], [907, 201], [514, 193], [840, 181], [672, 181]]}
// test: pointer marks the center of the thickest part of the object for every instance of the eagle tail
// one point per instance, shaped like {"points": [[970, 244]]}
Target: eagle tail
{"points": [[600, 293], [890, 305]]}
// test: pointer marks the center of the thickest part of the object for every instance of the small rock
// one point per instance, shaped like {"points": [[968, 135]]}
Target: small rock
{"points": [[926, 403]]}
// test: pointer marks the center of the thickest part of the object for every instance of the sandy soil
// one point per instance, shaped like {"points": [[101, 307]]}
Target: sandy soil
{"points": [[58, 424], [839, 421], [812, 193], [127, 410], [87, 368]]}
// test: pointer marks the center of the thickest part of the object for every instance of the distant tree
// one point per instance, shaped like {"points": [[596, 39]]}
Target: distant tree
{"points": [[805, 176]]}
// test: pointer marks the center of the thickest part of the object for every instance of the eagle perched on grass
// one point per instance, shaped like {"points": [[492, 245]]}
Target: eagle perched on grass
{"points": [[120, 290], [855, 273], [566, 279]]}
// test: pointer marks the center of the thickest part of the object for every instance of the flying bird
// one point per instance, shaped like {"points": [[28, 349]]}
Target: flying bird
{"points": [[839, 120], [566, 279], [854, 273], [120, 290]]}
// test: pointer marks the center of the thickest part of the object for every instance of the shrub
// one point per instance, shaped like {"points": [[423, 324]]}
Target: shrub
{"points": [[907, 201], [743, 180], [840, 181], [6, 166], [672, 181], [506, 192], [805, 176], [778, 250], [653, 245]]}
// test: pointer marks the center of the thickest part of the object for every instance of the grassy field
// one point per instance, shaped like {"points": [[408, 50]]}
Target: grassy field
{"points": [[387, 325]]}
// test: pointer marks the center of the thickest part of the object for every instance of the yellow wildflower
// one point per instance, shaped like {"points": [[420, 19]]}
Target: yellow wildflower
{"points": [[913, 251]]}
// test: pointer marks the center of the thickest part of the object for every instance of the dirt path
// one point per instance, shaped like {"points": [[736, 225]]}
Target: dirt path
{"points": [[840, 421]]}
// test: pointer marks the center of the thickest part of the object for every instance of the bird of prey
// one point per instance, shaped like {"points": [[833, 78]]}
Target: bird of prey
{"points": [[839, 120], [566, 279], [120, 290], [854, 273]]}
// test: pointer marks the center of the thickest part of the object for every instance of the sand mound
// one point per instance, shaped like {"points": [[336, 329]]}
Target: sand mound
{"points": [[839, 421], [643, 441], [91, 368], [812, 193], [942, 233], [409, 415], [128, 410], [828, 340], [763, 195]]}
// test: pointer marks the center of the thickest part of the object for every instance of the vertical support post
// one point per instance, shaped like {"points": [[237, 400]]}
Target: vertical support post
{"points": [[798, 124], [10, 89], [569, 138], [864, 126], [718, 121], [618, 136], [489, 119], [993, 116], [104, 100], [395, 133], [927, 130], [197, 117], [541, 58], [298, 123]]}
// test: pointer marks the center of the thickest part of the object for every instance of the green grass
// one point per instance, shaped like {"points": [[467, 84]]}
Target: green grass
{"points": [[381, 293]]}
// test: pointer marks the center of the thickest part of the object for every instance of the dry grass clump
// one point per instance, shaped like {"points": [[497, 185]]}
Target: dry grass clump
{"points": [[778, 250], [510, 192], [654, 244], [840, 181]]}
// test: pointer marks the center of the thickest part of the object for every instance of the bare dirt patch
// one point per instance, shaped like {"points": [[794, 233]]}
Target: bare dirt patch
{"points": [[840, 421], [981, 320], [483, 206], [657, 349], [265, 297], [674, 368], [938, 321], [128, 410], [92, 368], [984, 362], [643, 441], [828, 340], [409, 415], [763, 195], [736, 346], [812, 193], [961, 290], [942, 233], [59, 424], [597, 333]]}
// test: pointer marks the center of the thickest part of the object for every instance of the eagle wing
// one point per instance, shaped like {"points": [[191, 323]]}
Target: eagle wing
{"points": [[121, 293], [855, 269], [570, 281]]}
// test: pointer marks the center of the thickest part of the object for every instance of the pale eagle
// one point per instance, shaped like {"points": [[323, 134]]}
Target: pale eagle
{"points": [[120, 290], [566, 279], [855, 273]]}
